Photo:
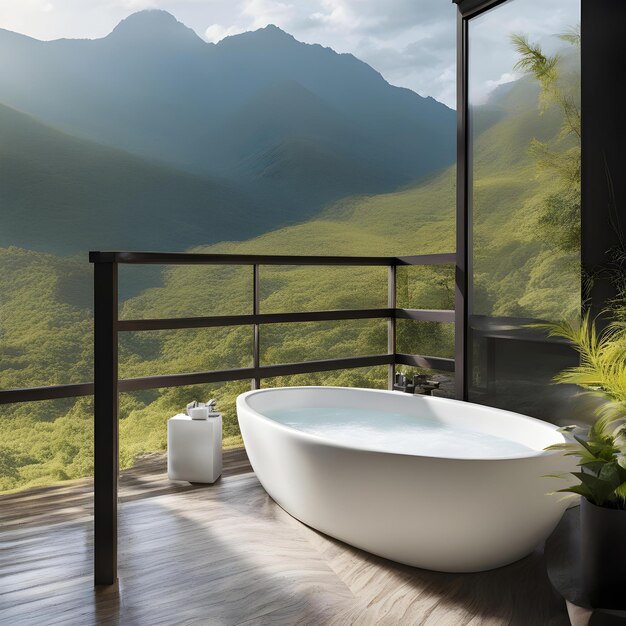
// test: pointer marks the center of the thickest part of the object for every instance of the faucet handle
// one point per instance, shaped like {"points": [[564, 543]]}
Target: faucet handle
{"points": [[419, 379]]}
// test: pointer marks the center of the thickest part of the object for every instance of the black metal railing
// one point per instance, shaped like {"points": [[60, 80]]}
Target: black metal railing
{"points": [[256, 320], [107, 325], [258, 372]]}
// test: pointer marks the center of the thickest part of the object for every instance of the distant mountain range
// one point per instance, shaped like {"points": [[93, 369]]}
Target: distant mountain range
{"points": [[65, 195], [274, 127]]}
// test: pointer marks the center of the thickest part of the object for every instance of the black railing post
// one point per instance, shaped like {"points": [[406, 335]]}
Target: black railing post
{"points": [[105, 422], [463, 217], [391, 324], [256, 346]]}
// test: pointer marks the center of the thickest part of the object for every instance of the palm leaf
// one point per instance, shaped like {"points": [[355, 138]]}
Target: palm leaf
{"points": [[580, 490]]}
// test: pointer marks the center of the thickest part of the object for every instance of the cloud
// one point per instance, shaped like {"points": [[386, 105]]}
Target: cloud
{"points": [[260, 13], [138, 5], [410, 42], [491, 51], [217, 32], [341, 15], [33, 6]]}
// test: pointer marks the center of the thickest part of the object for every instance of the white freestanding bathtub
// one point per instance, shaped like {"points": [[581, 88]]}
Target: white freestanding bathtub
{"points": [[429, 482]]}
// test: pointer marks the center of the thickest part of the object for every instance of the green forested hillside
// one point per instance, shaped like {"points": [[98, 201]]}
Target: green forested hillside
{"points": [[45, 320], [63, 195]]}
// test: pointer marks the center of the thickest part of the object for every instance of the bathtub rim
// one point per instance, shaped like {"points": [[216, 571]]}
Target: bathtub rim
{"points": [[319, 439]]}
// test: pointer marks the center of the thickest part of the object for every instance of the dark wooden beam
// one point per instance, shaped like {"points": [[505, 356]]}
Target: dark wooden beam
{"points": [[603, 209], [188, 258]]}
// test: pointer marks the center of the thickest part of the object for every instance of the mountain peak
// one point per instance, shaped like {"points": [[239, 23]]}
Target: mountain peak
{"points": [[270, 35], [273, 31], [153, 25]]}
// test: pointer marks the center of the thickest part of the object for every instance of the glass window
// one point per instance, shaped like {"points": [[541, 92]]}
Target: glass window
{"points": [[524, 200]]}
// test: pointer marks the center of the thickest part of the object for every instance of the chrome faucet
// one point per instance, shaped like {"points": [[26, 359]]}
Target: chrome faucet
{"points": [[210, 404], [420, 384]]}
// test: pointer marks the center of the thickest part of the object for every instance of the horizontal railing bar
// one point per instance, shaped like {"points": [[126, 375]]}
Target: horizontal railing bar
{"points": [[51, 392], [245, 320], [264, 371], [56, 392], [179, 380], [191, 258], [425, 315], [447, 258], [426, 362]]}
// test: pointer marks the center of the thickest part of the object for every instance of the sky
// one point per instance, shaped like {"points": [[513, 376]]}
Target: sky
{"points": [[410, 42]]}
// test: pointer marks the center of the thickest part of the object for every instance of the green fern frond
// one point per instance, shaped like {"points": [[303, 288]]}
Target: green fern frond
{"points": [[602, 362]]}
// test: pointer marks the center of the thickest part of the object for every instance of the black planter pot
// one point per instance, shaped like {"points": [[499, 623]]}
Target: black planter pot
{"points": [[603, 555]]}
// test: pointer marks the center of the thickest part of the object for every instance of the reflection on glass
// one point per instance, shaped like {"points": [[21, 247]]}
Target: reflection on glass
{"points": [[524, 167]]}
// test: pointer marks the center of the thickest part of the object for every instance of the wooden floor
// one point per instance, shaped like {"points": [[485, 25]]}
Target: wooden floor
{"points": [[226, 554]]}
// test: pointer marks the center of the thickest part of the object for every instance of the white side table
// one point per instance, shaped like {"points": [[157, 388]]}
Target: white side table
{"points": [[194, 449]]}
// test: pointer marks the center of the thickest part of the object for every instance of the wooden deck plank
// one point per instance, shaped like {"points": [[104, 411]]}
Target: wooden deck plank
{"points": [[226, 554], [73, 500]]}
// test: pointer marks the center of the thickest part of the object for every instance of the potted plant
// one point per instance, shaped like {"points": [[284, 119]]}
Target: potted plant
{"points": [[601, 451]]}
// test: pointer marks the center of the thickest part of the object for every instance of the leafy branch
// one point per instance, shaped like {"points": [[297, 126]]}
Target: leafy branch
{"points": [[602, 454], [559, 211], [602, 373]]}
